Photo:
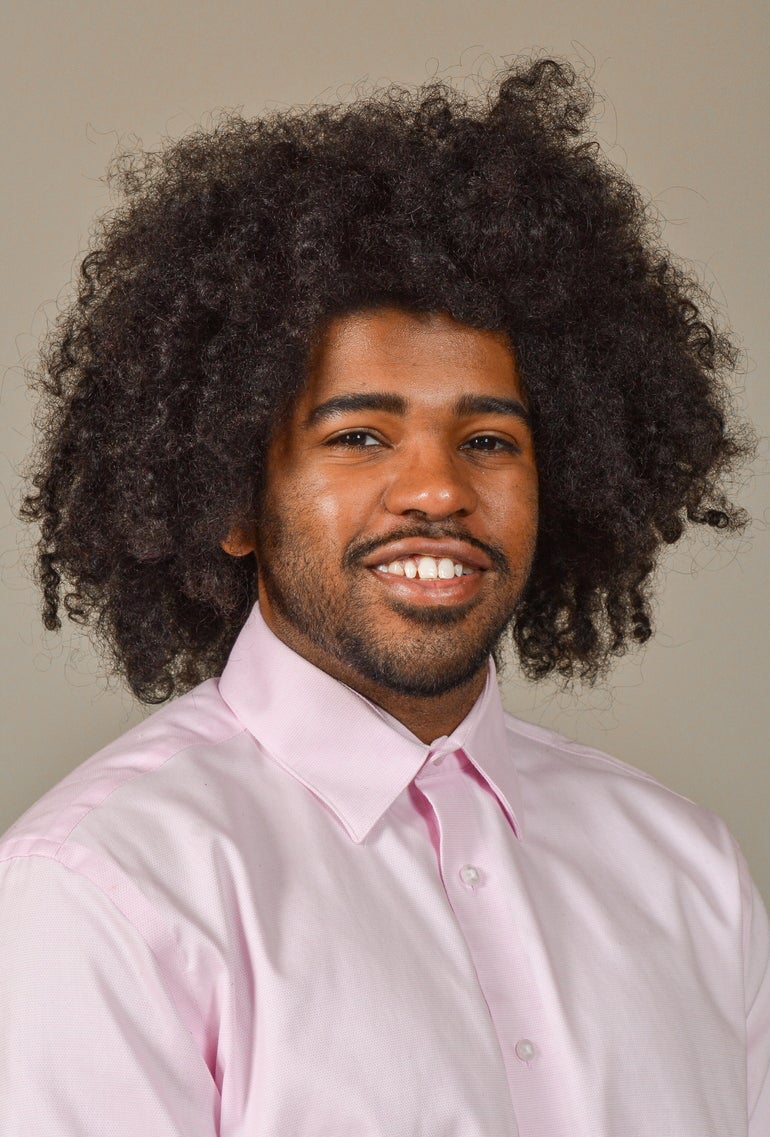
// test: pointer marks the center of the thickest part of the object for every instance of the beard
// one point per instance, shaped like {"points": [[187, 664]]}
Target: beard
{"points": [[436, 650]]}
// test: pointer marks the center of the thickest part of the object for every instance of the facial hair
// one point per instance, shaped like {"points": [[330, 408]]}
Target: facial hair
{"points": [[447, 648]]}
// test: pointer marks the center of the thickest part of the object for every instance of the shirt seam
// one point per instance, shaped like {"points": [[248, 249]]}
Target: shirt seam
{"points": [[576, 750], [137, 774], [88, 881]]}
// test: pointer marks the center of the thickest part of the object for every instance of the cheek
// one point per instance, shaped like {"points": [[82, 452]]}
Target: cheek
{"points": [[343, 501], [512, 519], [326, 509], [515, 503]]}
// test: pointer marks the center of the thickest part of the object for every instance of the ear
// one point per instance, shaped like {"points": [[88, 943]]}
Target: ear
{"points": [[240, 541]]}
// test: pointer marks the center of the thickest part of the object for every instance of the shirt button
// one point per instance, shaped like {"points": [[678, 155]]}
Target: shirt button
{"points": [[439, 758], [525, 1050], [470, 875]]}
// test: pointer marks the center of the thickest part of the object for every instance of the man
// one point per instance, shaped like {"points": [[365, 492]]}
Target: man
{"points": [[345, 396]]}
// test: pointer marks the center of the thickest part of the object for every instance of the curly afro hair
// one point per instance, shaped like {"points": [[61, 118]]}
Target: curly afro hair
{"points": [[201, 295]]}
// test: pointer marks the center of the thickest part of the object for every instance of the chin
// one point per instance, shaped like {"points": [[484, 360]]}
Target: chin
{"points": [[423, 670], [433, 617]]}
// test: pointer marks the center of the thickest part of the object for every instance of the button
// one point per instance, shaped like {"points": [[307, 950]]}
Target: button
{"points": [[438, 759], [525, 1050], [470, 875]]}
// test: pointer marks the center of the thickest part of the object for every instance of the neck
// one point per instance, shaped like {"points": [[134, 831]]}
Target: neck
{"points": [[427, 716]]}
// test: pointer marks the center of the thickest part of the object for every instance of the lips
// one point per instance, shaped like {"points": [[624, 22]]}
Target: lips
{"points": [[426, 568], [425, 578], [415, 547]]}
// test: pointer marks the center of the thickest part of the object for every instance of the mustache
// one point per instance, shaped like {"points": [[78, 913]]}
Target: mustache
{"points": [[357, 550]]}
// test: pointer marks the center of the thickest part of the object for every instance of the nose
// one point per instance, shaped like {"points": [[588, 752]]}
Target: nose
{"points": [[432, 480]]}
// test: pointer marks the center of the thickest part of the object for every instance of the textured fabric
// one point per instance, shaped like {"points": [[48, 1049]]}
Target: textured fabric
{"points": [[269, 911]]}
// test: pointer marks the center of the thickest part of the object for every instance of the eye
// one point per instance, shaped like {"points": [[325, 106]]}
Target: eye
{"points": [[355, 440], [489, 444]]}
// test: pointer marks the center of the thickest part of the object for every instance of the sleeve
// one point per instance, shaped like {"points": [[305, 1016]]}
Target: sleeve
{"points": [[756, 952], [90, 1042]]}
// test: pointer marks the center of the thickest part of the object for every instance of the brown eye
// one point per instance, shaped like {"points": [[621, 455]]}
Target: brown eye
{"points": [[490, 443], [355, 439]]}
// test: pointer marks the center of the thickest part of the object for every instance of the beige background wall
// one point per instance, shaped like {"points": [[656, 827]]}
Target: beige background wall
{"points": [[684, 88]]}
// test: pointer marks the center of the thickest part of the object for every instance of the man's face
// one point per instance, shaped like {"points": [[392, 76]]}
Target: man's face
{"points": [[400, 510]]}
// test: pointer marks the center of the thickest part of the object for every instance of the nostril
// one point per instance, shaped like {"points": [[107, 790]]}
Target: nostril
{"points": [[431, 493]]}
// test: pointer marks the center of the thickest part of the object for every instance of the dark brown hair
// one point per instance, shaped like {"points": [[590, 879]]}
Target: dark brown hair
{"points": [[202, 292]]}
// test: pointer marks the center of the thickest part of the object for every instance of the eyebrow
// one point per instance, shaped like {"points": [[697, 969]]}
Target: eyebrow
{"points": [[492, 405], [466, 406], [344, 404]]}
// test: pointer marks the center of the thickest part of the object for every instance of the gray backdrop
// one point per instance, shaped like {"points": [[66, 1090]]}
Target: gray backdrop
{"points": [[684, 110]]}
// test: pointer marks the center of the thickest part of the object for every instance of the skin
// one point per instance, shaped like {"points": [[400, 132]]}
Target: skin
{"points": [[434, 456]]}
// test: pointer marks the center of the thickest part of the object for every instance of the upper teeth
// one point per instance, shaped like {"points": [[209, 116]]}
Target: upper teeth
{"points": [[426, 568]]}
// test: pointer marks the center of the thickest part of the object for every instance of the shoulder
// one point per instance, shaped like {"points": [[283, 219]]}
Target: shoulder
{"points": [[622, 807], [539, 749], [134, 831], [142, 765]]}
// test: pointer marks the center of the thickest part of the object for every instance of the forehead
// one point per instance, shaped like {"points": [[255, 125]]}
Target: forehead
{"points": [[398, 351]]}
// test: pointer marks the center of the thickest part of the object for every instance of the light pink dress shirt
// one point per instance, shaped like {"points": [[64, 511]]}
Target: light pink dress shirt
{"points": [[270, 911]]}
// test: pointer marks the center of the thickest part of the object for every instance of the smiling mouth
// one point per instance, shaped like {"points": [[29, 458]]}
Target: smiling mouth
{"points": [[425, 567], [423, 581]]}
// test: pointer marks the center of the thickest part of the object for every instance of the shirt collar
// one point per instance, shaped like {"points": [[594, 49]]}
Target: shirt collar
{"points": [[348, 752]]}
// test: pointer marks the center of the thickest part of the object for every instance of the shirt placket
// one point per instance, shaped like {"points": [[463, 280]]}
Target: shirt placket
{"points": [[476, 852]]}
